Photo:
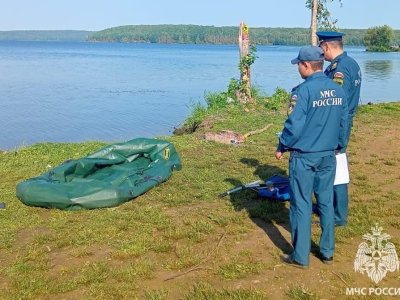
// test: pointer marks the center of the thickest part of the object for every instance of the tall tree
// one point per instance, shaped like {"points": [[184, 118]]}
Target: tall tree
{"points": [[320, 17], [247, 58], [313, 27]]}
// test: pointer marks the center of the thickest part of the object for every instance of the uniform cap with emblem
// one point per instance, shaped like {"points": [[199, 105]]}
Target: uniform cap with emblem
{"points": [[327, 36], [309, 53]]}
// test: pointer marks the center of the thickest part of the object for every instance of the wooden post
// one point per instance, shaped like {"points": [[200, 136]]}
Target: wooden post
{"points": [[244, 92]]}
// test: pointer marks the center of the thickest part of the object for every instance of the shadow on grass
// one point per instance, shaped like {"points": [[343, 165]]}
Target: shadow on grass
{"points": [[264, 212]]}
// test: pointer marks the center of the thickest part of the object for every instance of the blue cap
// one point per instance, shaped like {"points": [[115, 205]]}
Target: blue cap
{"points": [[309, 53], [326, 36]]}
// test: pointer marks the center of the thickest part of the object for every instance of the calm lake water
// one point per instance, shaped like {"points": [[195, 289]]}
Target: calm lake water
{"points": [[71, 92]]}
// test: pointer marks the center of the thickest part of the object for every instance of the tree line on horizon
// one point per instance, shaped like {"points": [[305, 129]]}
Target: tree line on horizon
{"points": [[192, 34], [198, 34]]}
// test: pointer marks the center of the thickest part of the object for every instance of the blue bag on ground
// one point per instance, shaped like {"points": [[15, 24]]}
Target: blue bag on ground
{"points": [[276, 187]]}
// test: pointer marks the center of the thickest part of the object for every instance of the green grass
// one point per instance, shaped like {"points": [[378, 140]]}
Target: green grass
{"points": [[126, 252], [241, 266], [301, 293], [203, 291]]}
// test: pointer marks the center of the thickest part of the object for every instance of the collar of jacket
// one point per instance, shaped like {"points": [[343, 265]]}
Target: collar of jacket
{"points": [[316, 75]]}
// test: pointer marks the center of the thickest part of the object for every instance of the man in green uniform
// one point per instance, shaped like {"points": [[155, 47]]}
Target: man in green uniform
{"points": [[345, 71], [315, 129]]}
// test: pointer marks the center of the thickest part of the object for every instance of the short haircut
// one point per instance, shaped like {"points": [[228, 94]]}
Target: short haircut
{"points": [[316, 65], [336, 44]]}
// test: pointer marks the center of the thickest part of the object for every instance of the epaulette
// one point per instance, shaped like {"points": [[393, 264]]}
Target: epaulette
{"points": [[295, 88]]}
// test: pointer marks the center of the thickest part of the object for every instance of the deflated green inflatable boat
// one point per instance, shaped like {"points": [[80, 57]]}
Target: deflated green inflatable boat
{"points": [[106, 178]]}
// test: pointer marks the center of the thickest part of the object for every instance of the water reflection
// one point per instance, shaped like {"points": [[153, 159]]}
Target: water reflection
{"points": [[378, 69]]}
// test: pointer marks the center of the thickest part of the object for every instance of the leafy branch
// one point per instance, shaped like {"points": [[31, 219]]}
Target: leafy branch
{"points": [[247, 60]]}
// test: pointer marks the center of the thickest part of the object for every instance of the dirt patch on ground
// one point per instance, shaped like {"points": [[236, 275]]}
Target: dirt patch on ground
{"points": [[65, 259]]}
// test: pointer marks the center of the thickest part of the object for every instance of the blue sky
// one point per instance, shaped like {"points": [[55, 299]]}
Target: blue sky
{"points": [[101, 14]]}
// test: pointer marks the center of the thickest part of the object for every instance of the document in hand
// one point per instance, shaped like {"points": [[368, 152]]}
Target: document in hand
{"points": [[342, 170]]}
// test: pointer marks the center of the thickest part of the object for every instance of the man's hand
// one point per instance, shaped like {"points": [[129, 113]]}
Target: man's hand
{"points": [[278, 155]]}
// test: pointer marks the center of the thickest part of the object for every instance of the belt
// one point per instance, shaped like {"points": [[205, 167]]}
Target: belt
{"points": [[312, 154]]}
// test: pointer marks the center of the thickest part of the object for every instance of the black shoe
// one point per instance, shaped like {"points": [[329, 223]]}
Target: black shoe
{"points": [[325, 260], [287, 259]]}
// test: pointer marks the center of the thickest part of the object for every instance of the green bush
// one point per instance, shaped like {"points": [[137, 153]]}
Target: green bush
{"points": [[222, 100], [199, 112], [279, 100], [379, 38]]}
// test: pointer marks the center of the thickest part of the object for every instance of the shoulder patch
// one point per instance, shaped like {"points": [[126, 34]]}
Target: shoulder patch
{"points": [[338, 77], [292, 104], [338, 74]]}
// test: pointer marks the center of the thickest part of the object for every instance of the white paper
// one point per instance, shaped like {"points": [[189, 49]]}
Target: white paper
{"points": [[342, 170]]}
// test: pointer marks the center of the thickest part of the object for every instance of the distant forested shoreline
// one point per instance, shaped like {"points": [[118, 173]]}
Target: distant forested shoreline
{"points": [[196, 34], [183, 34]]}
